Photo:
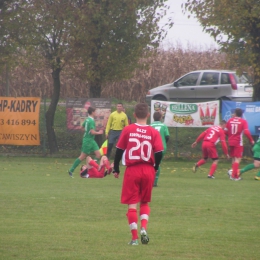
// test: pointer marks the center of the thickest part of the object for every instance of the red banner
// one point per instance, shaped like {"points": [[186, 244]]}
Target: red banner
{"points": [[77, 112]]}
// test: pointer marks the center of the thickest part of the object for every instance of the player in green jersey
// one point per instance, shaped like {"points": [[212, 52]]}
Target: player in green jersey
{"points": [[256, 164], [164, 132], [89, 144]]}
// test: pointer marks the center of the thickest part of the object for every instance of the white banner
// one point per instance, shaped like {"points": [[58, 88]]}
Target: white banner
{"points": [[177, 114]]}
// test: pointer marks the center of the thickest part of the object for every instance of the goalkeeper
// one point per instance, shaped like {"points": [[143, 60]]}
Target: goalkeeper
{"points": [[256, 164]]}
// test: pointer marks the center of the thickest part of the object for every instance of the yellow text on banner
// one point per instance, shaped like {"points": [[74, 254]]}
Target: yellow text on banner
{"points": [[19, 120]]}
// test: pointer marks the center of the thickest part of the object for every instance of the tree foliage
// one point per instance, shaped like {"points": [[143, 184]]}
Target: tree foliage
{"points": [[107, 37], [7, 45], [235, 25], [115, 35]]}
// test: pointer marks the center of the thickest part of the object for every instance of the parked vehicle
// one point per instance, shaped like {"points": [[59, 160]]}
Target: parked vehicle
{"points": [[204, 85]]}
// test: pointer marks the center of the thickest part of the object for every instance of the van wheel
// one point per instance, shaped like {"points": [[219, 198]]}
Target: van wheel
{"points": [[160, 97]]}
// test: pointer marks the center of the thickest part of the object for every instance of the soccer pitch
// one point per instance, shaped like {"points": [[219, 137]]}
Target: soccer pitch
{"points": [[45, 214]]}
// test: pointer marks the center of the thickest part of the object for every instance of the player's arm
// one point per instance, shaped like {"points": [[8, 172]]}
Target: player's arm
{"points": [[158, 158], [94, 132], [223, 143], [84, 172], [109, 121], [225, 131], [199, 138], [249, 136], [167, 134], [118, 157], [224, 147], [126, 120]]}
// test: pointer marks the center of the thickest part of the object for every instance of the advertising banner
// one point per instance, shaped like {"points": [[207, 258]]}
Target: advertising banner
{"points": [[251, 112], [77, 112], [177, 114], [19, 120]]}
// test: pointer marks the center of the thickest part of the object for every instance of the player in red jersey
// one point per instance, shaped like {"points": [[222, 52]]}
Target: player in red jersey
{"points": [[140, 148], [93, 170], [235, 128], [210, 138]]}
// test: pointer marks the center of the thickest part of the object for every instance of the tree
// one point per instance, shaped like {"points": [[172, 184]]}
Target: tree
{"points": [[7, 46], [235, 25], [107, 36], [118, 34], [41, 29]]}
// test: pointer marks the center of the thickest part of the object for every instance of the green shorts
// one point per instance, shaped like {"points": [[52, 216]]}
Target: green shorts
{"points": [[89, 146]]}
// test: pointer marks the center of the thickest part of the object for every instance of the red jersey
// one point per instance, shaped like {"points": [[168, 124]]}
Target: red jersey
{"points": [[235, 129], [213, 134], [139, 143]]}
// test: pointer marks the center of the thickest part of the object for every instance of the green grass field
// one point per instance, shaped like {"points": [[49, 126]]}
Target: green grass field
{"points": [[44, 214]]}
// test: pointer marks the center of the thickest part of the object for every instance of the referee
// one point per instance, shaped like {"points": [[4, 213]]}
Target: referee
{"points": [[115, 124]]}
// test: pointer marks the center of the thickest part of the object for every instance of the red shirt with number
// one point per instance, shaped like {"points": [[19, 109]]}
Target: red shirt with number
{"points": [[140, 143], [210, 138], [235, 129]]}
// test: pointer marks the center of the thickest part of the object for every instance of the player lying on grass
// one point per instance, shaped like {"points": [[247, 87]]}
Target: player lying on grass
{"points": [[93, 170]]}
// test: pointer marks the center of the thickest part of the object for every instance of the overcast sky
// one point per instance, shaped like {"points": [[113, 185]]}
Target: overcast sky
{"points": [[185, 31]]}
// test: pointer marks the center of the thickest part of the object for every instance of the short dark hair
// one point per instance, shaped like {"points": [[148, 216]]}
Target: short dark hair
{"points": [[157, 116], [91, 110], [222, 122], [141, 110], [238, 112]]}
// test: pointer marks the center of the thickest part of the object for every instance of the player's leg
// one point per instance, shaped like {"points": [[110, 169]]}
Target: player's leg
{"points": [[235, 167], [111, 141], [257, 165], [204, 157], [132, 222], [130, 196], [92, 162], [246, 168], [76, 163], [238, 152], [213, 154], [95, 149], [213, 168], [251, 166], [144, 217], [108, 166], [155, 184], [146, 186]]}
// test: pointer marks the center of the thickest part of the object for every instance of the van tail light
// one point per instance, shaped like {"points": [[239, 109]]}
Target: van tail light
{"points": [[233, 81]]}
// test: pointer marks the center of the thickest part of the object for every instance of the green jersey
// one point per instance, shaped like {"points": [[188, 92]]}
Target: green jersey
{"points": [[89, 124], [256, 149], [163, 130]]}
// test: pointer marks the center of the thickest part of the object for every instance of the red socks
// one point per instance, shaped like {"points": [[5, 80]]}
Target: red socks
{"points": [[235, 167], [144, 214], [132, 221], [201, 162], [213, 169]]}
